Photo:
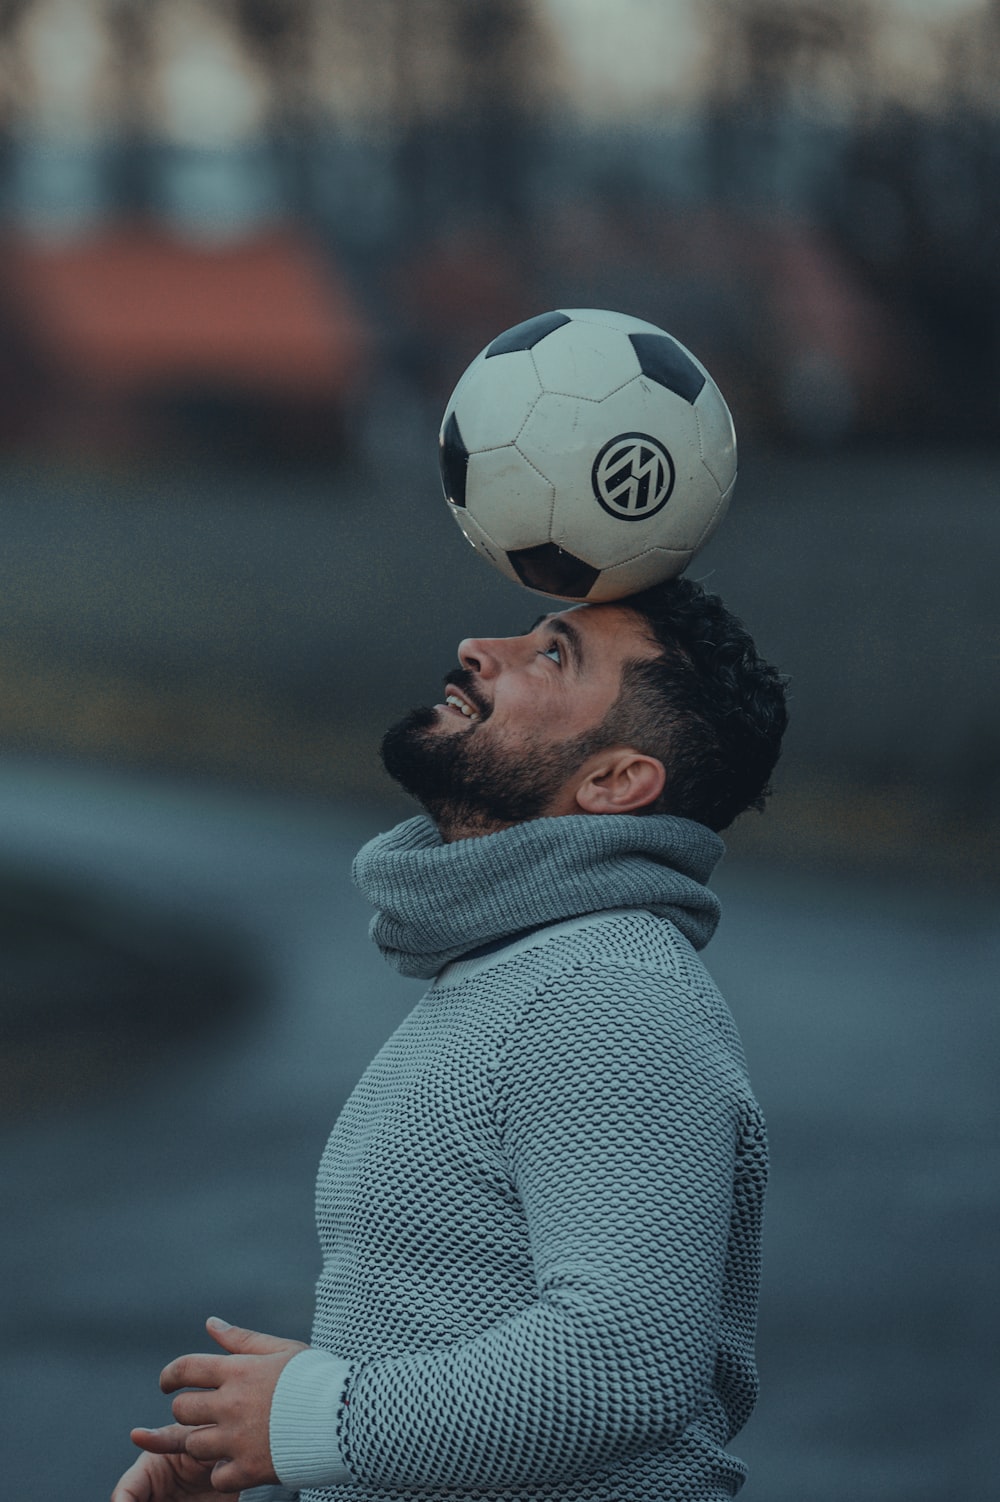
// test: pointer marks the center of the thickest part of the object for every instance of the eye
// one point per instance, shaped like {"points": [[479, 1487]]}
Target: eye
{"points": [[553, 651]]}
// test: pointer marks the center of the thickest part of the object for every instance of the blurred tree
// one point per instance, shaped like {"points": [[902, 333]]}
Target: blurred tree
{"points": [[466, 85], [467, 95], [784, 47], [777, 67], [885, 134], [918, 212], [278, 34], [499, 63]]}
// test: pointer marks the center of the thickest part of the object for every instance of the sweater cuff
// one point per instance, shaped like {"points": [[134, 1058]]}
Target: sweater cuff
{"points": [[303, 1427]]}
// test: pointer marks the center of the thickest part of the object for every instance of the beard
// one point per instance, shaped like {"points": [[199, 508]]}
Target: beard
{"points": [[471, 784]]}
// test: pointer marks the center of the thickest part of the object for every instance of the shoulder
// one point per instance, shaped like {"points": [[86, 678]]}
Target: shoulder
{"points": [[631, 954], [620, 980], [623, 975], [630, 1019]]}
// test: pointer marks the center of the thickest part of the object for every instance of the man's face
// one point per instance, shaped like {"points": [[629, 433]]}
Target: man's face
{"points": [[518, 718]]}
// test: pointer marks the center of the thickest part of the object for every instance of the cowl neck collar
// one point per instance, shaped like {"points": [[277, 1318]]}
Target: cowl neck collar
{"points": [[435, 902]]}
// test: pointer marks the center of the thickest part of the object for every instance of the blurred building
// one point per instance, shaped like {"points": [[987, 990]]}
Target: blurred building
{"points": [[802, 189]]}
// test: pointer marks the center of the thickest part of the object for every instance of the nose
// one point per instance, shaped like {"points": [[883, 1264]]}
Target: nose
{"points": [[475, 655], [485, 655]]}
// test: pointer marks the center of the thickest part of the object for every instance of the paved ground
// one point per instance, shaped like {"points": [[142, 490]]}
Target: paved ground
{"points": [[179, 1183]]}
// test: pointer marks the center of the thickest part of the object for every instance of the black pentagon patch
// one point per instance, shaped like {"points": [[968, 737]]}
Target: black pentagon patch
{"points": [[526, 335], [664, 361], [454, 460], [552, 570]]}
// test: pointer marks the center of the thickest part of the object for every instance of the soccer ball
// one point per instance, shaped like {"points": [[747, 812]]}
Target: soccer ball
{"points": [[587, 454]]}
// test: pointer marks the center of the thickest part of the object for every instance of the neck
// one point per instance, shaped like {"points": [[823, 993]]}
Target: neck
{"points": [[462, 822], [457, 828]]}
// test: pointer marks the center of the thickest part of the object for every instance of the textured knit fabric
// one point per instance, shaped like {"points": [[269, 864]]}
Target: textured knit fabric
{"points": [[436, 901], [540, 1208]]}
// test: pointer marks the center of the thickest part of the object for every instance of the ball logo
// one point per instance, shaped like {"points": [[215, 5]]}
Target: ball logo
{"points": [[633, 476]]}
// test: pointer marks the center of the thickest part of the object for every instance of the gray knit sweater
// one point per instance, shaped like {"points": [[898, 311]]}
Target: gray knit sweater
{"points": [[540, 1208]]}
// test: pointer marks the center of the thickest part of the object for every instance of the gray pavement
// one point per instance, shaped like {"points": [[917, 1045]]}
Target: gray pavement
{"points": [[180, 1184]]}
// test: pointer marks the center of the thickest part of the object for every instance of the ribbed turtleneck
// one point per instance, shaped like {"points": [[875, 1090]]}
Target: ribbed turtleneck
{"points": [[437, 901]]}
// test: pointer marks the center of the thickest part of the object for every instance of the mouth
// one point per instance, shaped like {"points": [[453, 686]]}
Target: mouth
{"points": [[458, 704]]}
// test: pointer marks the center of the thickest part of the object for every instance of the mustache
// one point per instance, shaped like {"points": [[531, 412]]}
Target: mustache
{"points": [[465, 682]]}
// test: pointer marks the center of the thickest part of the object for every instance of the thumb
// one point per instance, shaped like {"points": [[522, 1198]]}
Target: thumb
{"points": [[235, 1339], [168, 1440]]}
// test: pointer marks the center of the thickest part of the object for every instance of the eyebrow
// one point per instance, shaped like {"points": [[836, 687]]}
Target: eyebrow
{"points": [[561, 627]]}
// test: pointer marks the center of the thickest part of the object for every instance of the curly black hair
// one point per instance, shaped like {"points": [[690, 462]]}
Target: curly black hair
{"points": [[709, 707]]}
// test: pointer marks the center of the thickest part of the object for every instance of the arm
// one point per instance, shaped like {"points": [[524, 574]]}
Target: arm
{"points": [[619, 1127]]}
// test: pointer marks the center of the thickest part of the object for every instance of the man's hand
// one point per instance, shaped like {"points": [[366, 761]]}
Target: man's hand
{"points": [[168, 1475], [220, 1441]]}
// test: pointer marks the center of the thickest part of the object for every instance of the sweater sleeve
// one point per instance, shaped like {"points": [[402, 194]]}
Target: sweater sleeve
{"points": [[618, 1118], [305, 1420]]}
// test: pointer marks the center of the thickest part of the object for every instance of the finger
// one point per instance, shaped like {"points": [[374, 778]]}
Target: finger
{"points": [[134, 1485], [167, 1440], [205, 1444], [246, 1342], [230, 1478], [196, 1407], [192, 1371]]}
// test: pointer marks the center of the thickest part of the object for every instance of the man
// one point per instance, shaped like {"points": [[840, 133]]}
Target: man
{"points": [[540, 1209]]}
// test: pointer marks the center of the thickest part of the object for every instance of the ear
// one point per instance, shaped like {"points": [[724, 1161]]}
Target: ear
{"points": [[619, 782]]}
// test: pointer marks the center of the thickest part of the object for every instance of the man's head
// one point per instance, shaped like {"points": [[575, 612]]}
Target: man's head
{"points": [[654, 704]]}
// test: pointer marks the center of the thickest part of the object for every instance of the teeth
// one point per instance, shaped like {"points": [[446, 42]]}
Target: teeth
{"points": [[469, 713]]}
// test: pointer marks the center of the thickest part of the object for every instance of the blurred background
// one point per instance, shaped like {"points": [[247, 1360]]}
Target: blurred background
{"points": [[246, 249]]}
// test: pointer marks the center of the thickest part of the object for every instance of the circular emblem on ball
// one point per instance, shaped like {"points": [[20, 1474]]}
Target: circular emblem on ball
{"points": [[633, 476]]}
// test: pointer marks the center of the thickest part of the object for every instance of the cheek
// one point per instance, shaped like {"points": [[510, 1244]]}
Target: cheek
{"points": [[538, 718], [513, 704], [598, 698], [551, 705]]}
